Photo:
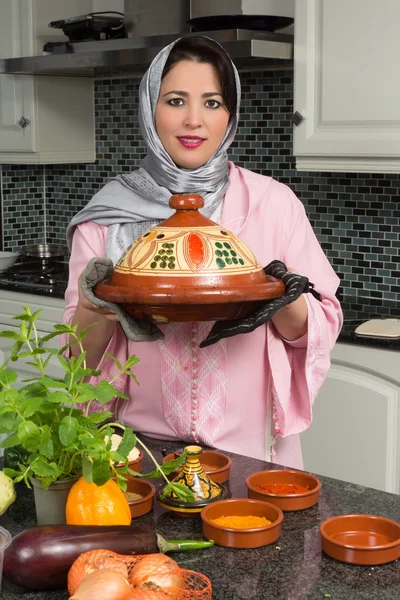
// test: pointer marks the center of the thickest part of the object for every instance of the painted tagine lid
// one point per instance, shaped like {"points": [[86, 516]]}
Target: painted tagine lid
{"points": [[189, 268], [203, 488]]}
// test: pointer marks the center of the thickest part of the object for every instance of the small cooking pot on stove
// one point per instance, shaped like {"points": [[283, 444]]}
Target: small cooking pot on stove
{"points": [[54, 251], [44, 255]]}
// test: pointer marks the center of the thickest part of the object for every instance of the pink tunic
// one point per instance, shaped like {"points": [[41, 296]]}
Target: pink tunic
{"points": [[252, 393]]}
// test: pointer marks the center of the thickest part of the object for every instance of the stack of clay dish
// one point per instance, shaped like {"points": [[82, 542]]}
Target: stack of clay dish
{"points": [[192, 476], [189, 269], [146, 490], [285, 502], [361, 539], [215, 464], [241, 538]]}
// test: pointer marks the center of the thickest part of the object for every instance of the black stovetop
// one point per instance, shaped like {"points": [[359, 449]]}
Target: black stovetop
{"points": [[44, 277]]}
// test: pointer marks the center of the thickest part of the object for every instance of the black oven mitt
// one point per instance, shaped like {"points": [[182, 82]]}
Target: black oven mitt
{"points": [[101, 269], [295, 285]]}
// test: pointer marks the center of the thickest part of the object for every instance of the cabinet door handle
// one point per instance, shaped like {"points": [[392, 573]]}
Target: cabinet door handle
{"points": [[297, 118], [23, 122]]}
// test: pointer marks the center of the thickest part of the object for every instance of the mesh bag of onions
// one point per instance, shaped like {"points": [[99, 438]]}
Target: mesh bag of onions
{"points": [[106, 574]]}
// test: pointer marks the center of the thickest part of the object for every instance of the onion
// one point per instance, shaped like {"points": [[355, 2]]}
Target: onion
{"points": [[103, 584], [142, 594], [159, 573]]}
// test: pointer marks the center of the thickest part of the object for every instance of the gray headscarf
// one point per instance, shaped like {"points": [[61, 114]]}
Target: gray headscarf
{"points": [[131, 204]]}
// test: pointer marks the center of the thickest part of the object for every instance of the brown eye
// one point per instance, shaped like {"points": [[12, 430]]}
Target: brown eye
{"points": [[175, 102], [213, 104]]}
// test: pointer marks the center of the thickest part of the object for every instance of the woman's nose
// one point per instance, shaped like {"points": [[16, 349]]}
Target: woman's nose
{"points": [[193, 117]]}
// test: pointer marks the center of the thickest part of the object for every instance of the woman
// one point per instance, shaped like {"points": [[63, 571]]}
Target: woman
{"points": [[252, 393]]}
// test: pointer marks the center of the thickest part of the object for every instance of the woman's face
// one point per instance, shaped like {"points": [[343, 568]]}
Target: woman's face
{"points": [[191, 116]]}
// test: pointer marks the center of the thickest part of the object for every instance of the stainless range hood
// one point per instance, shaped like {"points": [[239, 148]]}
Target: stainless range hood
{"points": [[243, 28], [133, 55]]}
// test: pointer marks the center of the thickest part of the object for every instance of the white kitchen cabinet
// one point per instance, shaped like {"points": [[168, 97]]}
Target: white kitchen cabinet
{"points": [[42, 119], [355, 433], [347, 85]]}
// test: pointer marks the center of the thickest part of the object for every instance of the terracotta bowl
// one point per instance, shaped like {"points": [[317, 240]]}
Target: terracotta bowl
{"points": [[215, 464], [361, 539], [146, 490], [241, 538], [189, 268], [285, 502]]}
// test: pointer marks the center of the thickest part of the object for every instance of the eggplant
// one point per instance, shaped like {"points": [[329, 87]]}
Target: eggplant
{"points": [[40, 558]]}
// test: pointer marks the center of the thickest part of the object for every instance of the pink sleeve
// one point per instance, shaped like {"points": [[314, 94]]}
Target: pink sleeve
{"points": [[89, 241], [299, 369]]}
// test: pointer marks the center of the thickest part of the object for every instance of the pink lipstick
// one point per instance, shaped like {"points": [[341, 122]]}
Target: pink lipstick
{"points": [[191, 141]]}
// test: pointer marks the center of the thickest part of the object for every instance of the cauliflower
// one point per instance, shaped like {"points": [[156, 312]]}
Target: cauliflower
{"points": [[7, 492]]}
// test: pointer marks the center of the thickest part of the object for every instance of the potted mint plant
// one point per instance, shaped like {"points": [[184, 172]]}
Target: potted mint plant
{"points": [[49, 425]]}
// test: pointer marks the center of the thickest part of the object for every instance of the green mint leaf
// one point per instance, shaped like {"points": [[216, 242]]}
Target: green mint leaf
{"points": [[133, 376], [64, 363], [115, 360], [8, 377], [15, 349], [68, 430], [46, 443], [123, 470], [121, 481], [25, 318], [127, 443], [9, 423], [11, 473], [174, 464], [105, 392], [38, 351], [48, 337], [99, 417], [132, 361], [53, 383], [101, 471], [31, 405], [117, 457], [11, 441], [181, 491], [58, 398], [63, 328], [12, 335], [152, 475], [87, 469], [30, 435], [42, 468]]}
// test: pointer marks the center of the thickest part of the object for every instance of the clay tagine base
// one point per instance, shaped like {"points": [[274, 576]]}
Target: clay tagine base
{"points": [[189, 268]]}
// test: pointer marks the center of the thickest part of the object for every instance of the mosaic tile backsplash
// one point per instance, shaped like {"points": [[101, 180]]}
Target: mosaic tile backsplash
{"points": [[356, 217]]}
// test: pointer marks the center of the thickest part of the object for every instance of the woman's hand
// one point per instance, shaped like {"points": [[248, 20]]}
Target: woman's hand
{"points": [[291, 320], [87, 305]]}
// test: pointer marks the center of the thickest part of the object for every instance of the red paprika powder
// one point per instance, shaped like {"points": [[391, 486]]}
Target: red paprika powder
{"points": [[283, 488]]}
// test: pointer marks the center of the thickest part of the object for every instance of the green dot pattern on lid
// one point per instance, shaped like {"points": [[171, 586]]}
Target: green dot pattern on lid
{"points": [[165, 257], [226, 256]]}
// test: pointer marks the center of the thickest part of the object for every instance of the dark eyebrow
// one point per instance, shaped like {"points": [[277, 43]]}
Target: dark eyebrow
{"points": [[185, 94]]}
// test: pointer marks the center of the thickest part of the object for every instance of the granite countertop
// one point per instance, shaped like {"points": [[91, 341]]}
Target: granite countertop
{"points": [[293, 568], [357, 310]]}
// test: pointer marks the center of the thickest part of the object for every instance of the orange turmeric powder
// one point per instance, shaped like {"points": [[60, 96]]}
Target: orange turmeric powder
{"points": [[248, 522]]}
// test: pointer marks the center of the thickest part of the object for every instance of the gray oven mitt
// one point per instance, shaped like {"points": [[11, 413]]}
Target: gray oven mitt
{"points": [[295, 286], [101, 269]]}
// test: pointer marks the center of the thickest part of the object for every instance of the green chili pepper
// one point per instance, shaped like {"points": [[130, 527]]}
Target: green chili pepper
{"points": [[15, 457], [181, 545]]}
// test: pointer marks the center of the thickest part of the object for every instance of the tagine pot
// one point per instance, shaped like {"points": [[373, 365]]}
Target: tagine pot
{"points": [[193, 477], [188, 268]]}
